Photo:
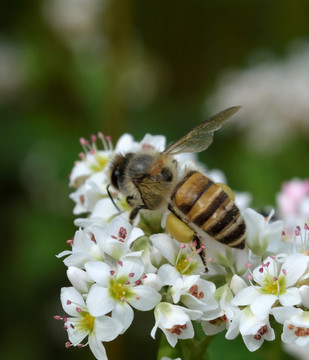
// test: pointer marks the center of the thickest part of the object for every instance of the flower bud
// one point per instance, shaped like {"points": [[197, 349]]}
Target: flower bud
{"points": [[79, 279]]}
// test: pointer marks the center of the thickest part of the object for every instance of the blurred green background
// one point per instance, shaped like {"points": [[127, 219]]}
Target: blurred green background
{"points": [[70, 68]]}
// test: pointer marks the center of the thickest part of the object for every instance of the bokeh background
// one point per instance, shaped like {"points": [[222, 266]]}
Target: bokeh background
{"points": [[71, 68]]}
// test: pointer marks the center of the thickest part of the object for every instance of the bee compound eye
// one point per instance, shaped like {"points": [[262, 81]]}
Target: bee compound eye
{"points": [[115, 177], [166, 174]]}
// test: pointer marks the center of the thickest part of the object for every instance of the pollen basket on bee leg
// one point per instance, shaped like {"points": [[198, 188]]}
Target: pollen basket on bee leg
{"points": [[178, 229]]}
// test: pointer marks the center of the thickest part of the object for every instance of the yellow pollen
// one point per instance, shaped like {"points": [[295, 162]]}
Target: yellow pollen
{"points": [[119, 290], [274, 286], [101, 163], [87, 322], [183, 265]]}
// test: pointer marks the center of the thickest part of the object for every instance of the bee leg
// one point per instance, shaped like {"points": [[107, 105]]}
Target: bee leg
{"points": [[135, 211], [200, 250]]}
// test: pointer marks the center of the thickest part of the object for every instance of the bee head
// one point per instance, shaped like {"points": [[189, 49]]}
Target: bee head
{"points": [[117, 170]]}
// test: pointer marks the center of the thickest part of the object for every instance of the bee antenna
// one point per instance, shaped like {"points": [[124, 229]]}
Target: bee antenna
{"points": [[111, 197]]}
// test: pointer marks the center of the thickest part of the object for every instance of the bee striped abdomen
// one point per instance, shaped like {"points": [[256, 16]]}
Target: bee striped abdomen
{"points": [[208, 206]]}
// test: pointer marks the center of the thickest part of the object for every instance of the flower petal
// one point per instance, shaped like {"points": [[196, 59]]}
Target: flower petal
{"points": [[168, 274], [245, 296], [75, 334], [166, 246], [98, 271], [290, 297], [107, 328], [124, 314], [97, 348], [146, 298], [261, 306], [294, 266], [99, 301], [70, 300]]}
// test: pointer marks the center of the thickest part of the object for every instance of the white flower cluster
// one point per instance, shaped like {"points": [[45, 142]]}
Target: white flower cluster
{"points": [[274, 96], [115, 267]]}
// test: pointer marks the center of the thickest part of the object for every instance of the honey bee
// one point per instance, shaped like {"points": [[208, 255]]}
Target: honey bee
{"points": [[199, 207]]}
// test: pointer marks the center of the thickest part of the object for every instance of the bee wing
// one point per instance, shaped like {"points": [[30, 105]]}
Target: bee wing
{"points": [[200, 137]]}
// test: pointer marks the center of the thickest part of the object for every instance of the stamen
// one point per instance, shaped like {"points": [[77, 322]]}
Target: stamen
{"points": [[70, 242], [93, 238], [122, 233], [102, 137], [110, 144]]}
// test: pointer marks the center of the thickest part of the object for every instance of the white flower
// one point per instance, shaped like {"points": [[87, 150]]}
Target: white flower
{"points": [[79, 279], [274, 95], [92, 160], [183, 260], [174, 321], [274, 281], [82, 324], [222, 259], [90, 192], [304, 293], [116, 289], [262, 234], [84, 249], [219, 318], [194, 292], [116, 238], [103, 212], [296, 325], [253, 330], [237, 284], [293, 203]]}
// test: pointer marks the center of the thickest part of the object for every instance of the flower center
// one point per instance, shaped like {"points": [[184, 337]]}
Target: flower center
{"points": [[177, 329], [299, 330], [120, 289], [183, 265], [261, 332], [100, 164], [273, 285], [218, 321], [86, 323], [195, 292]]}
